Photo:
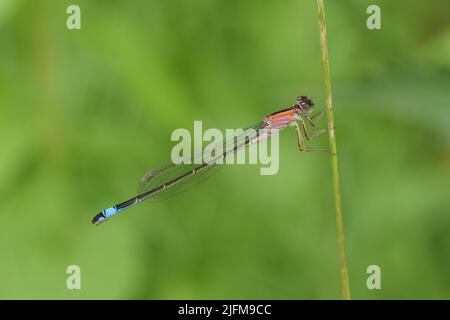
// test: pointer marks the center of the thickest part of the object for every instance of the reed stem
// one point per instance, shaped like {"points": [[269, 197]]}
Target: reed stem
{"points": [[333, 150]]}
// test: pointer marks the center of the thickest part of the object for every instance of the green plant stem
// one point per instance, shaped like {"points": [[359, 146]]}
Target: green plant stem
{"points": [[333, 150]]}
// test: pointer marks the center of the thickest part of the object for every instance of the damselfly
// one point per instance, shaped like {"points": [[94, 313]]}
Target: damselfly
{"points": [[159, 182]]}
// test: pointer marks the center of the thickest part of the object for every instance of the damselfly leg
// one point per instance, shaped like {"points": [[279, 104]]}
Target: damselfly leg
{"points": [[310, 135], [317, 118], [300, 140]]}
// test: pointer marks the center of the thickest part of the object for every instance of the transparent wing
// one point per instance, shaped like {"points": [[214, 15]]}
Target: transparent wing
{"points": [[180, 177], [160, 176]]}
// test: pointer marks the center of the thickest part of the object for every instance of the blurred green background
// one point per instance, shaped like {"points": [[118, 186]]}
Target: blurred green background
{"points": [[85, 113]]}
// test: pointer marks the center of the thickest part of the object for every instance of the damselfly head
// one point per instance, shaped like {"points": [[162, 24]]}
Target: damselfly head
{"points": [[304, 104]]}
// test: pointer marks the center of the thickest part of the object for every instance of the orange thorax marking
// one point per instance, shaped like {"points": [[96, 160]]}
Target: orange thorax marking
{"points": [[282, 116]]}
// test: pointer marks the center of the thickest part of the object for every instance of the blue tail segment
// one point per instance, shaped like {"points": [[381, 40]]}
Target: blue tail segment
{"points": [[108, 213], [105, 215]]}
